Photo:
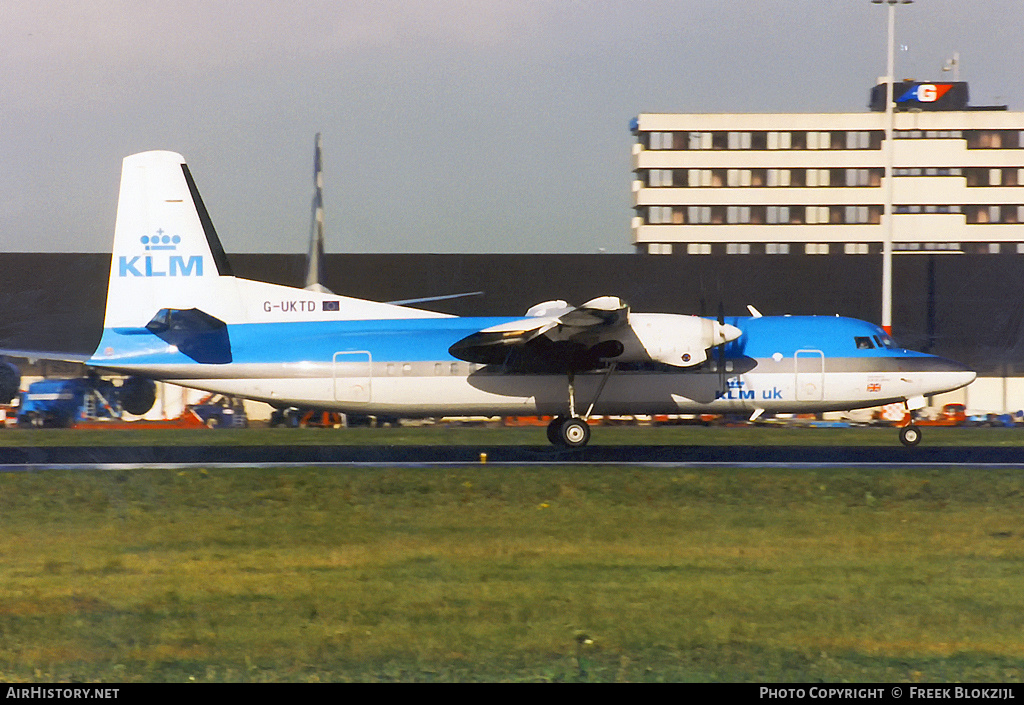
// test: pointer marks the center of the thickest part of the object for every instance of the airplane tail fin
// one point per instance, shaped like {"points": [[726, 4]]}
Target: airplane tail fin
{"points": [[315, 258], [167, 260], [166, 252]]}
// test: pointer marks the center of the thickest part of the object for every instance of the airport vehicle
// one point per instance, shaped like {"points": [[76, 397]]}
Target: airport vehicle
{"points": [[93, 402], [951, 415], [60, 403], [175, 312], [219, 411]]}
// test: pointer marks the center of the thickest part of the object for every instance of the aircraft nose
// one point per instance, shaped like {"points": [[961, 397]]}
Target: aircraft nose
{"points": [[947, 375], [963, 374]]}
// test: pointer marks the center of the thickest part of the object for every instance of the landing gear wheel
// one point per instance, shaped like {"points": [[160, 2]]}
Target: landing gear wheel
{"points": [[910, 435], [574, 433], [554, 429]]}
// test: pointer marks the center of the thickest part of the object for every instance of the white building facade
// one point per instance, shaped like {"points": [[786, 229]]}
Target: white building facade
{"points": [[814, 183]]}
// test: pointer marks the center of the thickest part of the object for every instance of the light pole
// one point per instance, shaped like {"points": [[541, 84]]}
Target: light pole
{"points": [[889, 157]]}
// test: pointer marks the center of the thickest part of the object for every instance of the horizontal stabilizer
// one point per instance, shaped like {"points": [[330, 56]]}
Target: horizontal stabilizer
{"points": [[198, 335]]}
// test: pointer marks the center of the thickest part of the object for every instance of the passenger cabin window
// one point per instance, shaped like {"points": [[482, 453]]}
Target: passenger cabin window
{"points": [[864, 343]]}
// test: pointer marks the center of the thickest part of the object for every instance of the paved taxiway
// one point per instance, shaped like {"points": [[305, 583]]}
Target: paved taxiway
{"points": [[125, 457]]}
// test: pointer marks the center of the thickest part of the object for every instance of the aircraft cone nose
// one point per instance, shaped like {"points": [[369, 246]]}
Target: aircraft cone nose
{"points": [[965, 376], [726, 332], [940, 374], [961, 374]]}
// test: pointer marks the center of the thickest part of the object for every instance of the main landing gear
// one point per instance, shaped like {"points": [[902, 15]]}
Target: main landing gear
{"points": [[572, 431], [569, 431]]}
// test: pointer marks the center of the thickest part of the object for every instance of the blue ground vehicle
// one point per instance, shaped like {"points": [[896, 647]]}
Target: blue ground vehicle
{"points": [[218, 411], [84, 401], [60, 403]]}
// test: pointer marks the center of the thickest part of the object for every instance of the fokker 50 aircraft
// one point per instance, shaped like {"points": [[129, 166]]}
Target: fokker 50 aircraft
{"points": [[176, 313]]}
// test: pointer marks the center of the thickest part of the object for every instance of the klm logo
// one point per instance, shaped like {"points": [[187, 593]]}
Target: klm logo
{"points": [[161, 265]]}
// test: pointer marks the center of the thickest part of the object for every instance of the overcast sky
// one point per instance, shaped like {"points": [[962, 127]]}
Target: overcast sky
{"points": [[449, 125]]}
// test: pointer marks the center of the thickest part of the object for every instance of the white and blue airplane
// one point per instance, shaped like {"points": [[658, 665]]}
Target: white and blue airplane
{"points": [[176, 313]]}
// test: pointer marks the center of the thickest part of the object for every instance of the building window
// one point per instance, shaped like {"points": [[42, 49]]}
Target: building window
{"points": [[737, 248], [926, 134], [779, 140], [777, 215], [660, 178], [860, 215], [778, 178], [739, 140], [818, 177], [661, 140], [698, 178], [737, 214], [699, 140], [816, 248], [858, 139], [776, 248], [859, 177], [993, 139], [816, 215], [664, 215], [698, 248], [659, 248], [855, 248], [932, 171], [982, 215], [931, 208], [696, 215], [738, 178], [984, 176], [819, 140]]}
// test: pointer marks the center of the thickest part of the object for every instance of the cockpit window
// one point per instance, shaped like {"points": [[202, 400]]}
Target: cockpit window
{"points": [[864, 343], [885, 342]]}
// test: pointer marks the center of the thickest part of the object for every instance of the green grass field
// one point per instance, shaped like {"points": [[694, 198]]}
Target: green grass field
{"points": [[497, 435], [512, 574]]}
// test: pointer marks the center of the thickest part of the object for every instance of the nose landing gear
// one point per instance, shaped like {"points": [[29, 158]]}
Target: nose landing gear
{"points": [[910, 435]]}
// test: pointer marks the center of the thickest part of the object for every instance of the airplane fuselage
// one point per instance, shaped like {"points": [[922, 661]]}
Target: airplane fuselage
{"points": [[404, 368]]}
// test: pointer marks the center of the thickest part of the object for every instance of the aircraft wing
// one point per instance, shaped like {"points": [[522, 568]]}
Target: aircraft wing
{"points": [[555, 336], [34, 355], [10, 375]]}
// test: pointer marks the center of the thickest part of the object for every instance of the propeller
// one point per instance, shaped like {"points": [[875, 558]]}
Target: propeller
{"points": [[721, 350]]}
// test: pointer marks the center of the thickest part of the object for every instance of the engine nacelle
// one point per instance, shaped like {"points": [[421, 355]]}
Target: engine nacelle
{"points": [[138, 395], [681, 341]]}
